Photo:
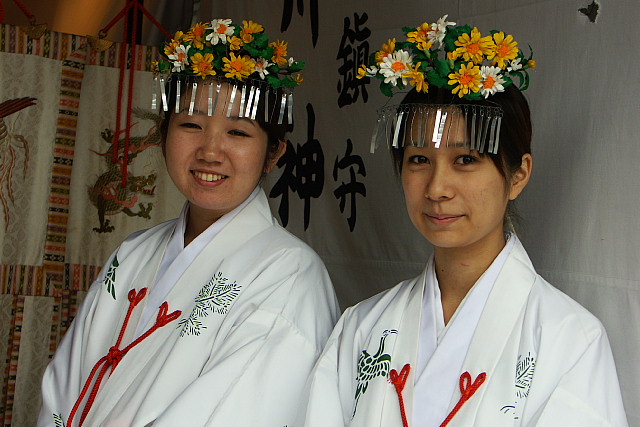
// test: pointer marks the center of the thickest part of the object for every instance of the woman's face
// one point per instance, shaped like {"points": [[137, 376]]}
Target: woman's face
{"points": [[454, 196], [215, 161]]}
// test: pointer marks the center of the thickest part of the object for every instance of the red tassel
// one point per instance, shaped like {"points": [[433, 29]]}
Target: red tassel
{"points": [[399, 381], [467, 389], [115, 354]]}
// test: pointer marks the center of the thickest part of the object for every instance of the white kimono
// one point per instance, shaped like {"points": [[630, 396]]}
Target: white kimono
{"points": [[536, 358], [242, 329]]}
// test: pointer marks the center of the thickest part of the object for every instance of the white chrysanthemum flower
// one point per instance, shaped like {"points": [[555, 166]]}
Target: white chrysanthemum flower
{"points": [[221, 30], [491, 80], [372, 71], [439, 30], [180, 58], [261, 67], [515, 65], [396, 65], [290, 61]]}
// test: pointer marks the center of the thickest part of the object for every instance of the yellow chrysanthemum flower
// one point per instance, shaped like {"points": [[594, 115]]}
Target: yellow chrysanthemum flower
{"points": [[279, 52], [248, 29], [506, 49], [417, 78], [387, 49], [362, 72], [474, 47], [235, 43], [421, 37], [238, 67], [170, 48], [202, 65], [532, 64], [298, 78], [468, 80], [196, 35]]}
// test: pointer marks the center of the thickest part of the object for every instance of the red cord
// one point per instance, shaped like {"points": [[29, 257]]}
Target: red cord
{"points": [[115, 355], [24, 10], [399, 381], [467, 389]]}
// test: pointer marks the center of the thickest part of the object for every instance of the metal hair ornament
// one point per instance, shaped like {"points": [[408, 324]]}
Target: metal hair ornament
{"points": [[212, 53], [455, 58]]}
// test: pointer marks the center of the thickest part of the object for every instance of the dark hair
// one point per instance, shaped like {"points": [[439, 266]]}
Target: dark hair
{"points": [[275, 132], [515, 131]]}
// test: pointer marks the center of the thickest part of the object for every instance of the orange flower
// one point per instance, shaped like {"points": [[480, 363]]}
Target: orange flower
{"points": [[387, 49], [238, 67], [279, 52], [196, 35], [235, 43], [248, 29], [202, 65]]}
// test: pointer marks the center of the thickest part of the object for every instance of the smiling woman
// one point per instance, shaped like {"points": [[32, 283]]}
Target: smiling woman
{"points": [[479, 338], [215, 318]]}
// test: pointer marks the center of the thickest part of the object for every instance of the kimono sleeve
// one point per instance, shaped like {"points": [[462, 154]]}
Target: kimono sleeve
{"points": [[323, 403], [588, 395]]}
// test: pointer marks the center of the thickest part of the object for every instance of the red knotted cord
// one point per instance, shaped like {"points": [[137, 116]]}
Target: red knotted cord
{"points": [[467, 389], [22, 7], [137, 7], [399, 381], [115, 354]]}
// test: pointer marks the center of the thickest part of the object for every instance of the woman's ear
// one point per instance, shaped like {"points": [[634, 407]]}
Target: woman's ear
{"points": [[520, 178], [273, 159]]}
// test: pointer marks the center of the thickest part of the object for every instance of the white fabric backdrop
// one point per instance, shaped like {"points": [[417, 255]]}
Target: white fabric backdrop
{"points": [[580, 222]]}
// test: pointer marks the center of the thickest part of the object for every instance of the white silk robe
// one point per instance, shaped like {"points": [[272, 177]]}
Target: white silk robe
{"points": [[546, 360], [257, 307]]}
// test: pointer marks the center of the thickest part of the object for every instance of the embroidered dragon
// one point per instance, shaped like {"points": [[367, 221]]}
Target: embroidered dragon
{"points": [[107, 193]]}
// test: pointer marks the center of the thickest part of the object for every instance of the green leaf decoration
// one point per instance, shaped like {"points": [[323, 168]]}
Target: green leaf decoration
{"points": [[473, 96], [436, 79], [288, 82], [385, 88], [260, 41], [274, 81], [442, 67], [297, 66], [407, 30], [110, 277]]}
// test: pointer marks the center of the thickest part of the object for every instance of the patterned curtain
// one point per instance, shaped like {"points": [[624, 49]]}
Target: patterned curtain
{"points": [[64, 208]]}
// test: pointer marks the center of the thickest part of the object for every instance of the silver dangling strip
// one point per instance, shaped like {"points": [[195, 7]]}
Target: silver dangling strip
{"points": [[438, 130], [192, 103], [163, 95], [247, 111], [492, 134], [485, 127], [177, 96], [243, 96], [422, 126], [465, 116], [215, 104], [210, 100], [374, 136], [283, 106], [474, 143], [256, 101], [497, 143], [232, 99], [290, 108], [410, 120], [154, 94], [396, 130], [266, 105]]}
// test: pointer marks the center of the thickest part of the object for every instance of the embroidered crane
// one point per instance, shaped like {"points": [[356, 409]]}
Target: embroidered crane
{"points": [[9, 145], [372, 366]]}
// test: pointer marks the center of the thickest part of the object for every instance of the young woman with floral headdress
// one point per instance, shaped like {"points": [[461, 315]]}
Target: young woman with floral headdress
{"points": [[215, 318], [479, 338]]}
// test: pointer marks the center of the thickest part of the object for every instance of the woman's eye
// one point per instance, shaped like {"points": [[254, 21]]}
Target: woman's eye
{"points": [[190, 125], [466, 159], [238, 132], [418, 160]]}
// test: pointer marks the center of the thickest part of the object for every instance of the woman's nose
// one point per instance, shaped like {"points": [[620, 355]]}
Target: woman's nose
{"points": [[439, 184], [211, 148]]}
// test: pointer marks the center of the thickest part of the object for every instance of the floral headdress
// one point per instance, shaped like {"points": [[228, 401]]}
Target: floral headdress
{"points": [[454, 58], [242, 55]]}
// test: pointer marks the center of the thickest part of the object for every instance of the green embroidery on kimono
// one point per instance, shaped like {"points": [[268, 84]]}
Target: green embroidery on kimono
{"points": [[110, 277], [525, 367], [214, 298], [372, 366], [57, 420]]}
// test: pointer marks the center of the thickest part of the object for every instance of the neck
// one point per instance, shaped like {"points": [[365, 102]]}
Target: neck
{"points": [[197, 222], [458, 269]]}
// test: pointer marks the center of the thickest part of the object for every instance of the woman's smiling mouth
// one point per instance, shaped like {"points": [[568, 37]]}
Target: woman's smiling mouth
{"points": [[208, 177]]}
